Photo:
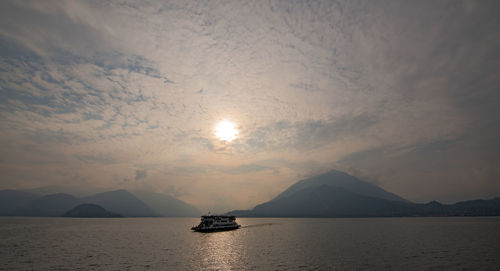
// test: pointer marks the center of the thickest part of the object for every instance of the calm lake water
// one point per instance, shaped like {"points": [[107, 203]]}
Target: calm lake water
{"points": [[262, 244]]}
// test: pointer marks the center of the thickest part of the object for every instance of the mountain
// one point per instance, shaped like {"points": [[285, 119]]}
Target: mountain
{"points": [[337, 194], [49, 205], [165, 205], [477, 207], [12, 200], [122, 202], [55, 189], [139, 204], [330, 201], [90, 210], [344, 180]]}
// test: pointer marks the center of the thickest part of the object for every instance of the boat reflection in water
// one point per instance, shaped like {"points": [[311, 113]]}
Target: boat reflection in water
{"points": [[211, 223]]}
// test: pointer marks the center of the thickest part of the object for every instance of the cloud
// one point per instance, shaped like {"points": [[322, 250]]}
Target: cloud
{"points": [[244, 169], [100, 158], [390, 91], [305, 135], [140, 174]]}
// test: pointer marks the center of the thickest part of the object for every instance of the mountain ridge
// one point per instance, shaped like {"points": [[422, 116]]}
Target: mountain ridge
{"points": [[126, 203], [322, 196], [49, 205], [12, 200], [166, 205], [121, 201], [341, 179]]}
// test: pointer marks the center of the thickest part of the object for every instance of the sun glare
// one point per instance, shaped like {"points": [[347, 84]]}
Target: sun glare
{"points": [[226, 131]]}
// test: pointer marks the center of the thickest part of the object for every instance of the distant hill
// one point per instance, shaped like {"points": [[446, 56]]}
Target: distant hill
{"points": [[55, 189], [90, 210], [12, 200], [477, 207], [139, 204], [166, 205], [337, 194], [122, 202], [49, 205]]}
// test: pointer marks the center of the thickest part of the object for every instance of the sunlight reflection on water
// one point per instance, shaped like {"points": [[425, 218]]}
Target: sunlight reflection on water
{"points": [[219, 250]]}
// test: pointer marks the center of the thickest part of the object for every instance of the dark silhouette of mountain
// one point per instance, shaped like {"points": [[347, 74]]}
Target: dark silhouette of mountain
{"points": [[90, 210], [344, 180], [165, 205], [329, 201], [142, 204], [122, 202], [55, 189], [477, 207], [317, 197], [12, 200], [49, 205]]}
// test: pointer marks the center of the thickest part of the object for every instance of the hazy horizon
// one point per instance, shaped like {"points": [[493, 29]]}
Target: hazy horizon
{"points": [[225, 104]]}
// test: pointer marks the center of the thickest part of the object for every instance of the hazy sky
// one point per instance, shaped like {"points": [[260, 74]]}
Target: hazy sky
{"points": [[127, 94]]}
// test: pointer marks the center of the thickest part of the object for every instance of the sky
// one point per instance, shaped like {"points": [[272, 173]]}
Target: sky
{"points": [[128, 95]]}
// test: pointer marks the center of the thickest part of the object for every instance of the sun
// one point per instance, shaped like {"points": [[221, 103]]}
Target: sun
{"points": [[225, 130]]}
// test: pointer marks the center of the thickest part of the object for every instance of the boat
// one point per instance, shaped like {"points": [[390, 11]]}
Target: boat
{"points": [[211, 223]]}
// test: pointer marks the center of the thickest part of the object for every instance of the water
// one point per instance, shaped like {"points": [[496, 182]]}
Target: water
{"points": [[261, 244]]}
